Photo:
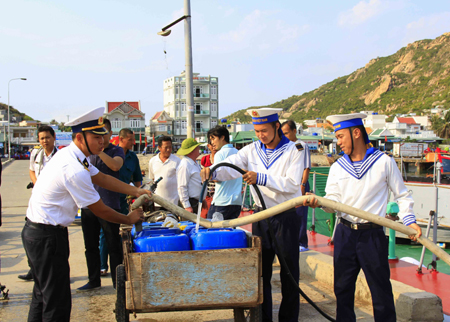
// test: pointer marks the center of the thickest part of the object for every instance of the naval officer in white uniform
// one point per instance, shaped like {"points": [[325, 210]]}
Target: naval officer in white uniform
{"points": [[62, 188], [276, 166], [362, 179]]}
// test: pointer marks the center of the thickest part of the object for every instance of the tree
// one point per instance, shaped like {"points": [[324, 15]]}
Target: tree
{"points": [[444, 131], [437, 124], [441, 126]]}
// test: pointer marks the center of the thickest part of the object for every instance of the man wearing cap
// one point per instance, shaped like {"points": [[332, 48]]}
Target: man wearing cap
{"points": [[61, 189], [188, 175], [276, 166], [362, 179], [290, 131]]}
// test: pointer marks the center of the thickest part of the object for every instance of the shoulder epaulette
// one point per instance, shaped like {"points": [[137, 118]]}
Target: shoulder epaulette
{"points": [[299, 146]]}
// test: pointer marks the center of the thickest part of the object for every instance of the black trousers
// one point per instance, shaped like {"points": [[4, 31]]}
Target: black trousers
{"points": [[91, 225], [302, 213], [366, 249], [194, 204], [286, 227], [228, 212], [47, 249]]}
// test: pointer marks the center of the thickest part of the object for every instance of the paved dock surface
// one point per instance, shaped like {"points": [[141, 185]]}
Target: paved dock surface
{"points": [[98, 305]]}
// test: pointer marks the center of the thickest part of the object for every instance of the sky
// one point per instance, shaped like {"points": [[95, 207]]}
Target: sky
{"points": [[76, 55]]}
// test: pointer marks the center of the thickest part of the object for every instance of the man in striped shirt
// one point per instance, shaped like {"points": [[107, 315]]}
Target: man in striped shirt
{"points": [[362, 179]]}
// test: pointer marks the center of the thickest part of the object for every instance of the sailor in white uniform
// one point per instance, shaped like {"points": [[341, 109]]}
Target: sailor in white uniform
{"points": [[62, 188], [276, 166], [362, 179]]}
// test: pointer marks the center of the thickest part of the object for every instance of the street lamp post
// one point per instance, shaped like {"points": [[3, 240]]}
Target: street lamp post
{"points": [[9, 119], [188, 58]]}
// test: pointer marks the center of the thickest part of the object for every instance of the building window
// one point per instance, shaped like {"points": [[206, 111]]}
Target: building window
{"points": [[213, 90], [116, 123], [198, 108], [213, 106], [183, 106], [183, 125], [135, 123], [213, 123]]}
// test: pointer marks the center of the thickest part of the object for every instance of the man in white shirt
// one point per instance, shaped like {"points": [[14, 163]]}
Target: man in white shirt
{"points": [[61, 189], [188, 175], [38, 160], [362, 179], [165, 165], [276, 166]]}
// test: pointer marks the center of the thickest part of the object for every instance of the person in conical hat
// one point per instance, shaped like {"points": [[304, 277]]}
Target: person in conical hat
{"points": [[276, 165], [65, 185], [362, 178]]}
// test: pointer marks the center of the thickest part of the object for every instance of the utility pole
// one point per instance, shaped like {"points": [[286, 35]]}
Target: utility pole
{"points": [[190, 121], [189, 73]]}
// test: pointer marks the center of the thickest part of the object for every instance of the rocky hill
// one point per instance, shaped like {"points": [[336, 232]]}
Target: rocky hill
{"points": [[14, 112], [415, 78]]}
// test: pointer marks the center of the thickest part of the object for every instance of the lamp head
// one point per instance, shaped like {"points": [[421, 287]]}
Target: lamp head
{"points": [[23, 78], [165, 33]]}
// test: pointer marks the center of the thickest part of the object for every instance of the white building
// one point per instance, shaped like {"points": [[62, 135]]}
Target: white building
{"points": [[206, 104], [374, 120]]}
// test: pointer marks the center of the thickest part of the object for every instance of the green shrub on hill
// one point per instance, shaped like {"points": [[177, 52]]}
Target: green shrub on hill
{"points": [[414, 79]]}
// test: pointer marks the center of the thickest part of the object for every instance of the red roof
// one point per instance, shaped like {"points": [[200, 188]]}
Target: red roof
{"points": [[156, 115], [113, 105], [407, 120]]}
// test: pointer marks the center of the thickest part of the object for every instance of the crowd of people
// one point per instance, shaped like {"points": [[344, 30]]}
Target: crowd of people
{"points": [[96, 176]]}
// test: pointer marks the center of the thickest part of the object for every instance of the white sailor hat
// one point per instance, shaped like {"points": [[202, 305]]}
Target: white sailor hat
{"points": [[91, 121], [345, 121], [264, 115]]}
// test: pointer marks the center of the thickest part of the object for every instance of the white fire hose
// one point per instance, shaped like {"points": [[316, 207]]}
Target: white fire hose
{"points": [[339, 207]]}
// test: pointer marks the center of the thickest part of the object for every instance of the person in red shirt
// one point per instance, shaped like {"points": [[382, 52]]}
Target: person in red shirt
{"points": [[208, 160]]}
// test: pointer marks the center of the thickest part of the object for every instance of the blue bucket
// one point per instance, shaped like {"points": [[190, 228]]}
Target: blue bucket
{"points": [[167, 242], [145, 225], [218, 238], [157, 231]]}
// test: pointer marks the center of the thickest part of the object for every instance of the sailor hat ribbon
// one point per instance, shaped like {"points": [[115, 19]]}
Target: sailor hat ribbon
{"points": [[91, 121], [345, 121], [264, 115]]}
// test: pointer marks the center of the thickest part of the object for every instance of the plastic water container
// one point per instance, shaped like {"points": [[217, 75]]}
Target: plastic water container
{"points": [[218, 238], [157, 231], [145, 225], [165, 242]]}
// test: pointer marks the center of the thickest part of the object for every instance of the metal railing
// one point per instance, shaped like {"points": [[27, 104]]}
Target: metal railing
{"points": [[202, 112]]}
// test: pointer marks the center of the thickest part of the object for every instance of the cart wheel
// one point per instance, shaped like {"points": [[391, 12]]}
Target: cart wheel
{"points": [[122, 314], [253, 314]]}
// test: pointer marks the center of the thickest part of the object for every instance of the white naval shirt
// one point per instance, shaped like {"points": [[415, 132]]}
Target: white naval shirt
{"points": [[369, 192], [167, 187], [62, 189], [189, 181], [279, 178], [35, 159]]}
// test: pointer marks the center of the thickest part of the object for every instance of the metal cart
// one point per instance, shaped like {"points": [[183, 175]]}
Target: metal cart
{"points": [[190, 280]]}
